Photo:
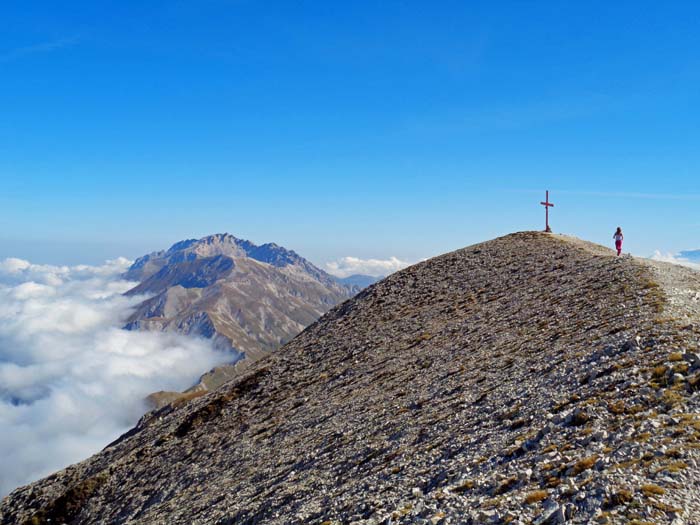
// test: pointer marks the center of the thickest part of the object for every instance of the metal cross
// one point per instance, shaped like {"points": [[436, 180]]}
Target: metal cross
{"points": [[547, 205]]}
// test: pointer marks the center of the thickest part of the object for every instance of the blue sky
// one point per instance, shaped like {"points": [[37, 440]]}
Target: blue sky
{"points": [[366, 129]]}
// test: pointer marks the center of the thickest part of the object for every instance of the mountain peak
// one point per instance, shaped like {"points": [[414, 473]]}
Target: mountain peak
{"points": [[220, 238]]}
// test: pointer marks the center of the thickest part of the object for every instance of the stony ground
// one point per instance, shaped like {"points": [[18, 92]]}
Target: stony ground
{"points": [[531, 379]]}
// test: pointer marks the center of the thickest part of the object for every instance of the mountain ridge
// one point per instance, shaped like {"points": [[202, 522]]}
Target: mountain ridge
{"points": [[533, 378], [222, 244]]}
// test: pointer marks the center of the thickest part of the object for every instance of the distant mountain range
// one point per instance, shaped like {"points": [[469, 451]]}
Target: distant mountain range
{"points": [[249, 299], [358, 281]]}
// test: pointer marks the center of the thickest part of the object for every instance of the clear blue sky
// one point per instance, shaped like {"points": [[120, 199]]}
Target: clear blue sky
{"points": [[361, 128]]}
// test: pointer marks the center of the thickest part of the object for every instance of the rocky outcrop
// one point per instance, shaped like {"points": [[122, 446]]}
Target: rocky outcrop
{"points": [[530, 379]]}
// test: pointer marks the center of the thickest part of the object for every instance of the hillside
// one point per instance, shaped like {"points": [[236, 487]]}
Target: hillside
{"points": [[534, 378]]}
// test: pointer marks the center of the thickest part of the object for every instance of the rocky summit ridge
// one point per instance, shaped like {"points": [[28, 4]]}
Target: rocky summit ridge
{"points": [[217, 246], [532, 379]]}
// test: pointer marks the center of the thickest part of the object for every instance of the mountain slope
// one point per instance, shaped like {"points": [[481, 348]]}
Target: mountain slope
{"points": [[533, 378]]}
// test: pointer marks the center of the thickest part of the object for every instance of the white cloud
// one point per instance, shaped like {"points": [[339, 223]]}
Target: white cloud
{"points": [[347, 266], [675, 259], [44, 47], [71, 380]]}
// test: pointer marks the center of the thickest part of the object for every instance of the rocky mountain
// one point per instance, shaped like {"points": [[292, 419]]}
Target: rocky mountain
{"points": [[249, 299], [534, 378]]}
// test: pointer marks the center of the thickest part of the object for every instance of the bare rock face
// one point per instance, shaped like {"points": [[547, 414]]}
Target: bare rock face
{"points": [[530, 379], [250, 299]]}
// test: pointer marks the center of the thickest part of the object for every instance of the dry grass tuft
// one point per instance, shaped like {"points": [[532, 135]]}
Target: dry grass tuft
{"points": [[536, 496], [584, 464], [652, 490]]}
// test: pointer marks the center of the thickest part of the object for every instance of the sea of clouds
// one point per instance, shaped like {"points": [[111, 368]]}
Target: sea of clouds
{"points": [[347, 266], [71, 380], [676, 258]]}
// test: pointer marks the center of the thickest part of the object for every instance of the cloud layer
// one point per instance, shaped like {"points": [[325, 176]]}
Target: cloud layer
{"points": [[347, 266], [71, 380], [675, 259]]}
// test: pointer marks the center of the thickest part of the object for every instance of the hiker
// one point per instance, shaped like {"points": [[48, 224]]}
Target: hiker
{"points": [[618, 240]]}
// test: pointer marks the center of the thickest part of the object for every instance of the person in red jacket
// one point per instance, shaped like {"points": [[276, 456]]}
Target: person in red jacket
{"points": [[618, 240]]}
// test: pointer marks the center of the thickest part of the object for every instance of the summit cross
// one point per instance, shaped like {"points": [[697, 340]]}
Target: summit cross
{"points": [[546, 205]]}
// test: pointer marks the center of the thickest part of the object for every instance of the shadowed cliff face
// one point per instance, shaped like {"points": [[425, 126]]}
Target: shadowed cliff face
{"points": [[195, 273], [533, 378]]}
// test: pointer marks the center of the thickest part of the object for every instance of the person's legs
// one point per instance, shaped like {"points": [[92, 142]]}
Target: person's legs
{"points": [[618, 245]]}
